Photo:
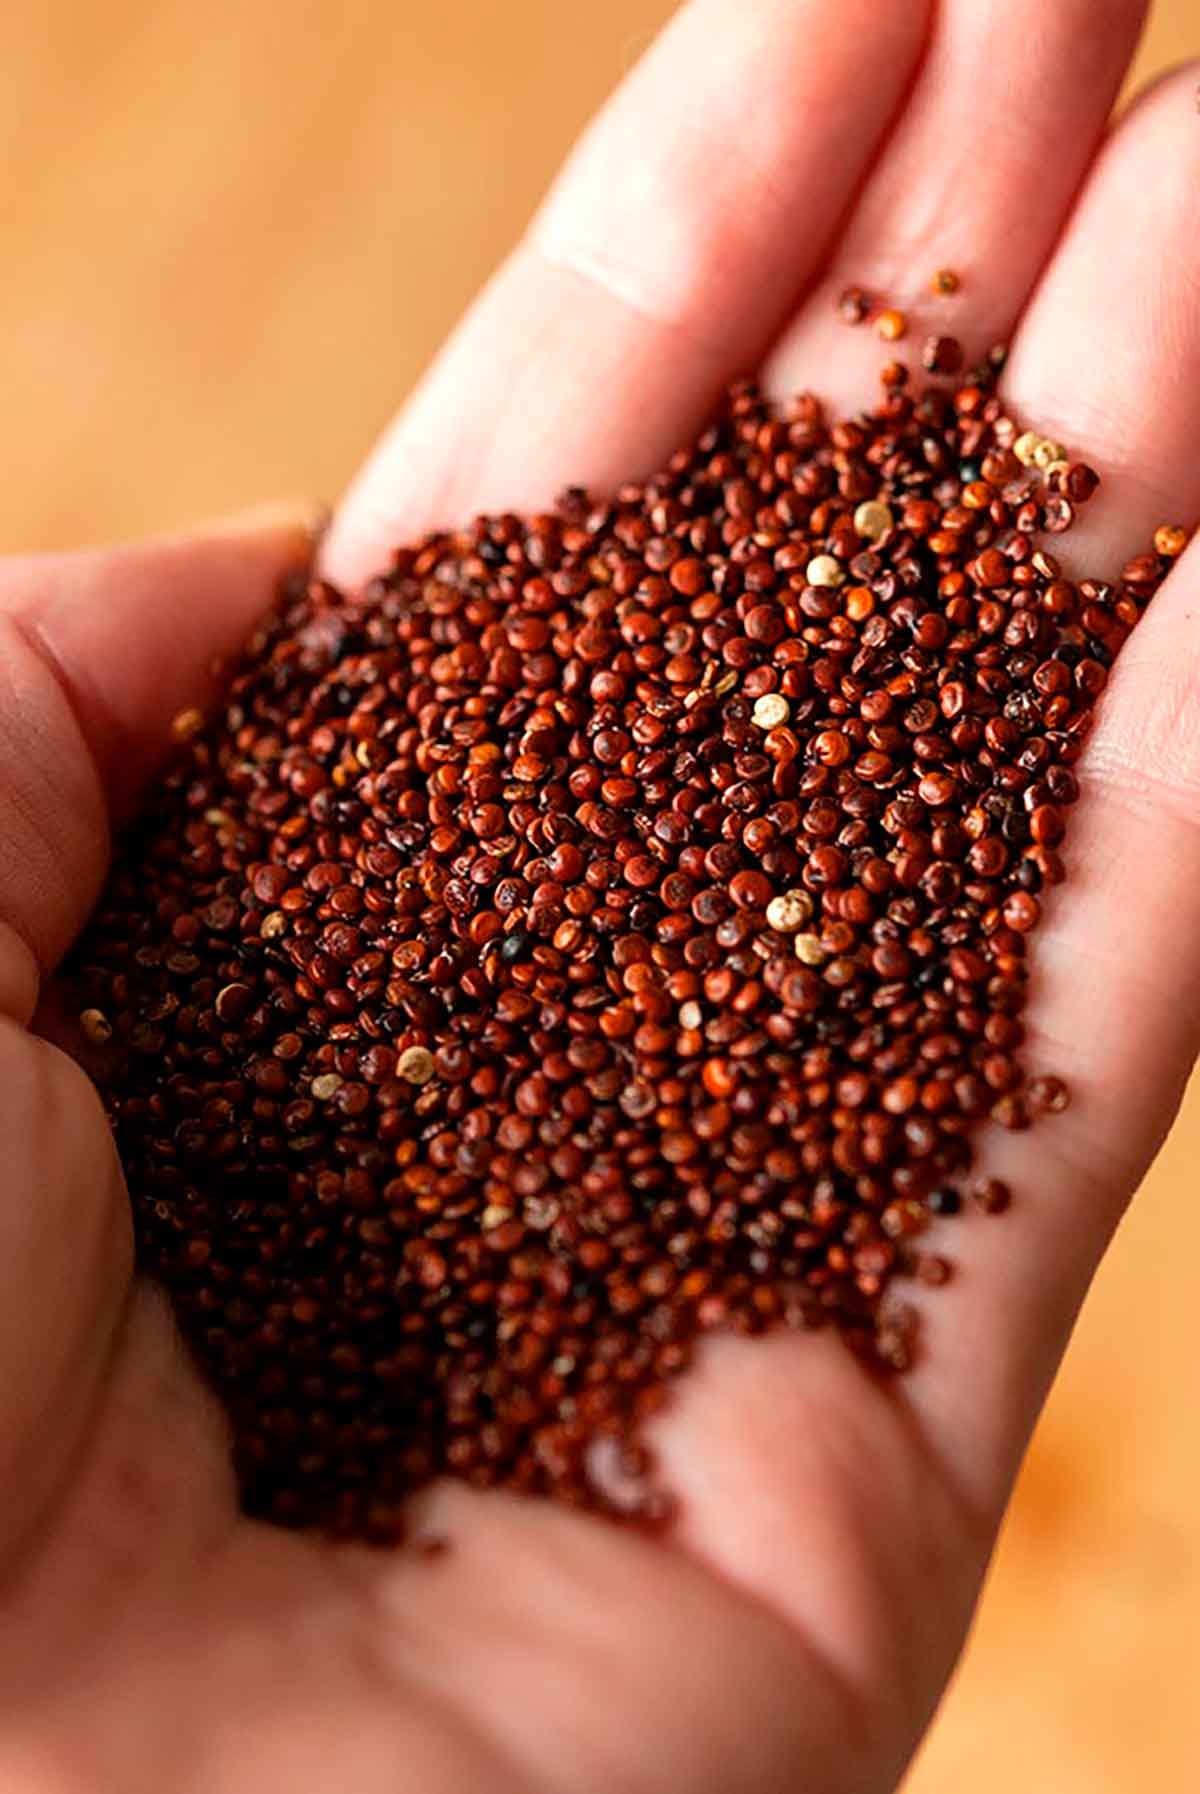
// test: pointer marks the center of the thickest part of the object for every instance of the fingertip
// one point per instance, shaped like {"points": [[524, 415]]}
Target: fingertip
{"points": [[1108, 349], [359, 540]]}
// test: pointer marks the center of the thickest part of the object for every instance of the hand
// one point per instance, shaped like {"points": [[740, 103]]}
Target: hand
{"points": [[796, 1630]]}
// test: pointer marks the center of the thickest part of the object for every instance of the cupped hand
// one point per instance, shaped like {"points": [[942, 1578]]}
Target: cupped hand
{"points": [[795, 1629]]}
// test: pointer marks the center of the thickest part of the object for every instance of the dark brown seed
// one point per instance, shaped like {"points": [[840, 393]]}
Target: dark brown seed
{"points": [[1047, 1096], [1080, 482], [234, 1001], [992, 1195], [1021, 911], [942, 355]]}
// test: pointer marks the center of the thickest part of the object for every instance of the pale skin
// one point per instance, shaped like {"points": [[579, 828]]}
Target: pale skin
{"points": [[796, 1628]]}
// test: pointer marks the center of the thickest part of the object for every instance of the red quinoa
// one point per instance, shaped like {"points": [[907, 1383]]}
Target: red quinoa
{"points": [[612, 928]]}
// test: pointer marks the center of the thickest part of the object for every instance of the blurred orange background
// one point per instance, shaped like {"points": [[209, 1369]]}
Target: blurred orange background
{"points": [[234, 235]]}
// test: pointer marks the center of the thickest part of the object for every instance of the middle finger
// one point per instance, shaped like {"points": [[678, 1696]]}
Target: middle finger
{"points": [[977, 179]]}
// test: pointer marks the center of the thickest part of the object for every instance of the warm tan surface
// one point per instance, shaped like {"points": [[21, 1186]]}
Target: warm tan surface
{"points": [[232, 235]]}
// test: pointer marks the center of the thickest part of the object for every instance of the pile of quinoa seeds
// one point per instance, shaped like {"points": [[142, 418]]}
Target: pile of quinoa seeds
{"points": [[611, 928]]}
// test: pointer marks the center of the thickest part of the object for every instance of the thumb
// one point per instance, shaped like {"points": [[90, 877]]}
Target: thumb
{"points": [[98, 650]]}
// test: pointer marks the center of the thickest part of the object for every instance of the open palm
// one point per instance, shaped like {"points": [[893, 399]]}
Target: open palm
{"points": [[795, 1629]]}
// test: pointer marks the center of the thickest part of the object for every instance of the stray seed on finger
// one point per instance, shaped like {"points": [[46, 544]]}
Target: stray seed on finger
{"points": [[1047, 1096], [942, 355], [992, 1195], [854, 305]]}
